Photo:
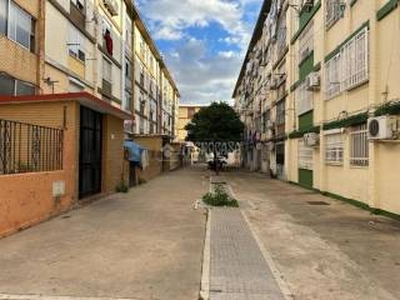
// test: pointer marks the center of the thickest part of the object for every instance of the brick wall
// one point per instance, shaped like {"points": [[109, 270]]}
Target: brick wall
{"points": [[113, 153], [21, 208], [18, 61]]}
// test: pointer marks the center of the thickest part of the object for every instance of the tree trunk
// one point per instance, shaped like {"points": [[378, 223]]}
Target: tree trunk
{"points": [[216, 163]]}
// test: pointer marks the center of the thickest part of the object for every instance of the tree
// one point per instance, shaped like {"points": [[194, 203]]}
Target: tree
{"points": [[218, 124]]}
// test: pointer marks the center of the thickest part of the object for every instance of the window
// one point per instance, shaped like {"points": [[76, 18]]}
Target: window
{"points": [[76, 44], [334, 149], [19, 27], [332, 75], [191, 112], [7, 85], [355, 60], [281, 36], [3, 16], [128, 100], [333, 12], [359, 152], [304, 99], [79, 4], [108, 39], [17, 24], [107, 70], [10, 86], [128, 34], [266, 119], [306, 41], [280, 113], [305, 156]]}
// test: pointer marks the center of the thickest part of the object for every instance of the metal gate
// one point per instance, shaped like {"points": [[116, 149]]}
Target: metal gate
{"points": [[90, 154]]}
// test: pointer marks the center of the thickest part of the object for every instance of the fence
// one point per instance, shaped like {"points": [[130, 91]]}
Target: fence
{"points": [[29, 148]]}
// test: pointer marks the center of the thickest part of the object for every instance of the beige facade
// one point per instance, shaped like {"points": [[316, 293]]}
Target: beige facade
{"points": [[156, 94], [186, 112], [97, 46], [336, 69]]}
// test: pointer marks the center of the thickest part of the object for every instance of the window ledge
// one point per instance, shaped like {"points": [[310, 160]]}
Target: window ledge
{"points": [[332, 164]]}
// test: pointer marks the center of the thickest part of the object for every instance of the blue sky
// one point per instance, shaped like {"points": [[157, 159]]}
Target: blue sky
{"points": [[203, 42]]}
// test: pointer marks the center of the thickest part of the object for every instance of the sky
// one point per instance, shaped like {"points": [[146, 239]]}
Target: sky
{"points": [[203, 42]]}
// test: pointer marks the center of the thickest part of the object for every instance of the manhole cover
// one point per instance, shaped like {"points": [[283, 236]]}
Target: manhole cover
{"points": [[317, 203]]}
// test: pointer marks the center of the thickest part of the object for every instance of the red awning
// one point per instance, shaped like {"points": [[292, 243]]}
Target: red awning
{"points": [[83, 98]]}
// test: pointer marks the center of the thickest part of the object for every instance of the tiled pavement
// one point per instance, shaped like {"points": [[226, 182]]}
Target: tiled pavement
{"points": [[238, 269]]}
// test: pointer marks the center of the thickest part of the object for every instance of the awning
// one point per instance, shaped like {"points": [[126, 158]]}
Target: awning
{"points": [[134, 150], [83, 98]]}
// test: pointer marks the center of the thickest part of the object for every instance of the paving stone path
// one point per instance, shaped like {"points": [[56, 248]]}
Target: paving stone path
{"points": [[238, 270]]}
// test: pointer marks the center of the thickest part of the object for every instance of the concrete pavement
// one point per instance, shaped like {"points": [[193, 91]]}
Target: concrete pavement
{"points": [[144, 245], [330, 251]]}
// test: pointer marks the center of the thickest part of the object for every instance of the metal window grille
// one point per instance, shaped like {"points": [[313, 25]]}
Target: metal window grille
{"points": [[355, 60], [332, 75], [334, 149], [359, 151], [332, 12], [29, 148], [280, 113], [305, 156], [304, 99]]}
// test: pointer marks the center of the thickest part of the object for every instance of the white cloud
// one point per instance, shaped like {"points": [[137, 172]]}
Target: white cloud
{"points": [[203, 71]]}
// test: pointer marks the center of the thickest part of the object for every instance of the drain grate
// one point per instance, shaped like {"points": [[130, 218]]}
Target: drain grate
{"points": [[317, 203]]}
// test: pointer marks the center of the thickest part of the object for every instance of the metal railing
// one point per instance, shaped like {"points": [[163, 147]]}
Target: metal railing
{"points": [[29, 148]]}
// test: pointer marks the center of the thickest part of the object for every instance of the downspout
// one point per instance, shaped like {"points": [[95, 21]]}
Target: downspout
{"points": [[41, 35]]}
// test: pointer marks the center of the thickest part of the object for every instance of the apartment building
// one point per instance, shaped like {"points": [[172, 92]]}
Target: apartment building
{"points": [[156, 93], [327, 113], [186, 113], [97, 46], [21, 47]]}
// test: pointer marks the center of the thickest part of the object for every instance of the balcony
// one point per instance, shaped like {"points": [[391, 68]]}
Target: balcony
{"points": [[77, 14], [107, 88]]}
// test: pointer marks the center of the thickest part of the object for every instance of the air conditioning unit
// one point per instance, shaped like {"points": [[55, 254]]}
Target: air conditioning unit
{"points": [[313, 82], [382, 128], [311, 139], [112, 7]]}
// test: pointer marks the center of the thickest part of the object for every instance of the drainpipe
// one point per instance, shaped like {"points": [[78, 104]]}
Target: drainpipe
{"points": [[373, 99], [41, 30]]}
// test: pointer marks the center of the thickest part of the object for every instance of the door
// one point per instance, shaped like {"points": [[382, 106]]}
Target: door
{"points": [[90, 154]]}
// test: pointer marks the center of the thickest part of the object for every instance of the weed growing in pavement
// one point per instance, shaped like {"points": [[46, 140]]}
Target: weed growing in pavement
{"points": [[219, 198], [122, 188]]}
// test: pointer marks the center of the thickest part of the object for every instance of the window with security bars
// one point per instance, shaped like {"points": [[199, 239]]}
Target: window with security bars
{"points": [[306, 41], [334, 149], [280, 112], [333, 12], [305, 156], [332, 77], [355, 60], [304, 99], [359, 151]]}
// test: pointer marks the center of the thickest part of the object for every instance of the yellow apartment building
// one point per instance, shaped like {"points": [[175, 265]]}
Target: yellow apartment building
{"points": [[339, 110], [186, 113], [155, 91], [22, 46]]}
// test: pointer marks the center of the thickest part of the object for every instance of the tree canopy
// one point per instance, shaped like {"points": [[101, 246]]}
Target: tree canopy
{"points": [[217, 122]]}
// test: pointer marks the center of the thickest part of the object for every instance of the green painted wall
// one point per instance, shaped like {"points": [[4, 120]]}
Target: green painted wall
{"points": [[306, 178], [306, 66], [306, 120]]}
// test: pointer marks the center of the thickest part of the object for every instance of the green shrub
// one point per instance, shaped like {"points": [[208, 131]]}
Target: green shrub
{"points": [[122, 188], [219, 198], [142, 180]]}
